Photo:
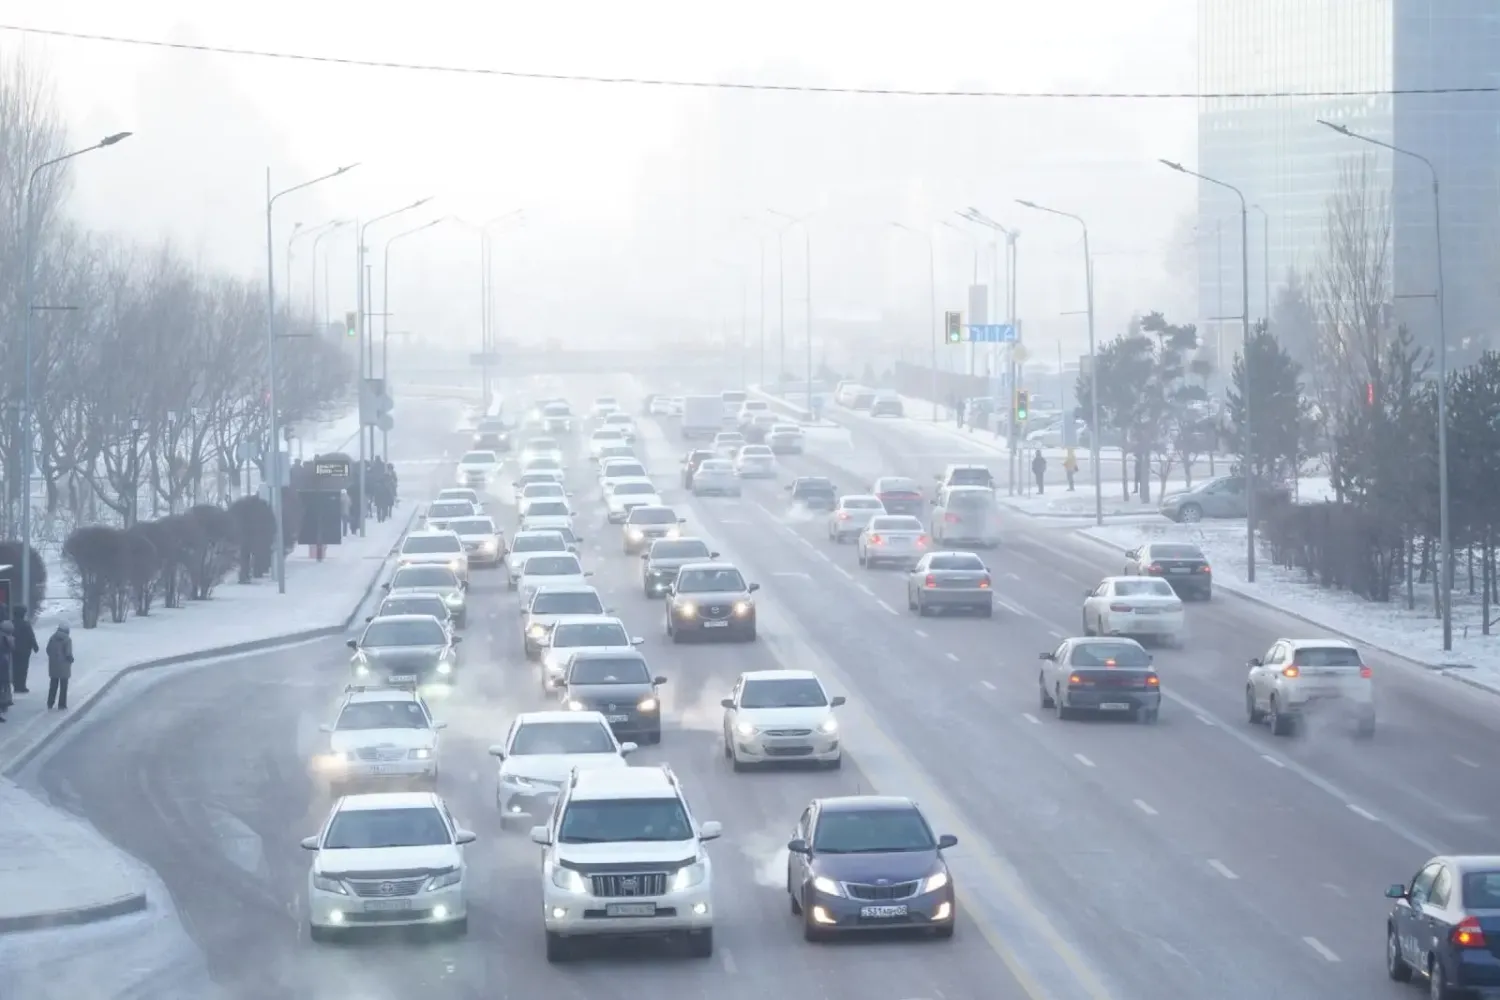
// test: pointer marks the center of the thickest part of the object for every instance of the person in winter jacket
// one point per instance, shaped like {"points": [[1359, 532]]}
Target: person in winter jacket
{"points": [[25, 637], [1039, 470], [7, 651], [59, 666]]}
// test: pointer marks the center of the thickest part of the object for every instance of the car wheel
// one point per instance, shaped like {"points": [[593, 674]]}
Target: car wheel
{"points": [[1395, 966], [945, 932], [792, 900], [1148, 716], [1252, 713], [675, 636], [654, 737], [700, 944], [559, 948], [1365, 729], [459, 927], [1437, 980], [986, 611], [1064, 713], [1190, 513], [861, 557], [1041, 688], [749, 634], [321, 935], [836, 764], [739, 766], [1281, 723], [1086, 630], [809, 931], [921, 608]]}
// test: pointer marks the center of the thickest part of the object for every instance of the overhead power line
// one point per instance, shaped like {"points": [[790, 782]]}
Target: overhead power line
{"points": [[787, 88]]}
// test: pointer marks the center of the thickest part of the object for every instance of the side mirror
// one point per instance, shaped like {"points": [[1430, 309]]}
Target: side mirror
{"points": [[497, 751], [580, 538], [628, 748], [727, 702], [799, 846], [1045, 656], [385, 586], [711, 830], [539, 836], [645, 556], [439, 725], [523, 611], [309, 843], [789, 488], [838, 700], [1397, 891], [713, 555], [1088, 593], [658, 680], [369, 618], [588, 572], [636, 640], [934, 501], [946, 841], [609, 611], [352, 643], [1255, 661], [463, 585], [326, 727], [752, 588], [669, 590], [464, 837], [682, 520]]}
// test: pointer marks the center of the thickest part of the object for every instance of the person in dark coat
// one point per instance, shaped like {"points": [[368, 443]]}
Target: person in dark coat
{"points": [[7, 649], [25, 637], [1039, 470], [59, 666]]}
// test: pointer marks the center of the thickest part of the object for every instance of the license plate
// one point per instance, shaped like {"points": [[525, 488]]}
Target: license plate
{"points": [[1146, 611], [630, 909], [387, 904], [381, 769], [1114, 706], [882, 912], [619, 718], [1179, 569], [715, 624], [402, 678]]}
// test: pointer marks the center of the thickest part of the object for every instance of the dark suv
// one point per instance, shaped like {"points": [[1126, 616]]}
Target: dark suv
{"points": [[690, 463], [711, 599], [814, 492]]}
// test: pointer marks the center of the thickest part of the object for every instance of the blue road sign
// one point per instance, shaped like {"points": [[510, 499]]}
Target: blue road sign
{"points": [[992, 333]]}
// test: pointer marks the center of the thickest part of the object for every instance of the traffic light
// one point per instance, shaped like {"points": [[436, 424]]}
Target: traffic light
{"points": [[1023, 404], [955, 327], [351, 324]]}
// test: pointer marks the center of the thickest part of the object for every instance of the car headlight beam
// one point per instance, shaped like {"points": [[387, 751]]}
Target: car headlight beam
{"points": [[689, 876], [648, 705], [568, 880], [829, 726], [935, 882], [742, 608], [827, 886], [745, 729]]}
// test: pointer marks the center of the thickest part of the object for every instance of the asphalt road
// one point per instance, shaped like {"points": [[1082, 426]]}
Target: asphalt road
{"points": [[203, 774]]}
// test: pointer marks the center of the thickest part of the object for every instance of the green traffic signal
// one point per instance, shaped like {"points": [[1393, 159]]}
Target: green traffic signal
{"points": [[1023, 401], [955, 331], [351, 324]]}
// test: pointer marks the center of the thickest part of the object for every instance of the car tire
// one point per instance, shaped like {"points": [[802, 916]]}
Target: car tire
{"points": [[921, 608], [794, 904], [1041, 689], [750, 635], [559, 948], [1395, 966], [1254, 715], [809, 931], [1281, 723], [986, 611], [945, 932], [836, 764], [654, 738], [321, 935], [700, 944], [675, 636], [1148, 716], [1190, 513], [1364, 729], [459, 928], [1064, 713]]}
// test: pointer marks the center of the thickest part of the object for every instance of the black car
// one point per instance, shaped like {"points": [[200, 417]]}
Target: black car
{"points": [[405, 650], [660, 563], [814, 492], [711, 600], [415, 603], [1183, 566], [869, 863], [621, 688], [690, 463], [885, 405], [492, 441]]}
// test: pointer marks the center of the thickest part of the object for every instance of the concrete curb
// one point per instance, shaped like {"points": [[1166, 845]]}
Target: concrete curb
{"points": [[133, 902]]}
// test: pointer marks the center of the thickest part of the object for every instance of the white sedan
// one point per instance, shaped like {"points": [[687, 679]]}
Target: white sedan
{"points": [[541, 750], [547, 514], [602, 437], [777, 716], [550, 569], [755, 461], [1135, 606], [627, 494]]}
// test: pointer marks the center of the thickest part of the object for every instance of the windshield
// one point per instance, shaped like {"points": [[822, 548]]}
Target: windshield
{"points": [[427, 605], [653, 515], [423, 632], [572, 634], [451, 508], [469, 495], [556, 409], [708, 581], [799, 692], [610, 821], [619, 470], [903, 523], [1109, 654], [1176, 552], [550, 542], [964, 562], [612, 670], [872, 831], [382, 715], [549, 488], [633, 489], [553, 566], [371, 829], [1328, 656], [1143, 588], [479, 458], [607, 434], [424, 578], [567, 603], [472, 526], [561, 737], [687, 548], [970, 477], [547, 508], [416, 545], [897, 486]]}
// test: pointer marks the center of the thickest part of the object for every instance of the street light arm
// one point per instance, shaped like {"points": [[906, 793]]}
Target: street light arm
{"points": [[394, 212], [1345, 131], [108, 140], [1171, 165], [316, 180]]}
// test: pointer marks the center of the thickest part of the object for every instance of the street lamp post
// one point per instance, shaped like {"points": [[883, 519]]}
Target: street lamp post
{"points": [[974, 215], [1246, 393], [272, 449], [291, 241], [385, 318], [486, 331], [1095, 431], [24, 423], [932, 303], [807, 279], [323, 231], [1265, 265], [1444, 539]]}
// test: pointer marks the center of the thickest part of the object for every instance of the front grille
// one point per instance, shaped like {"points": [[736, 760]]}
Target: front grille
{"points": [[632, 884], [387, 888], [901, 890], [381, 753], [774, 751], [716, 611], [788, 732]]}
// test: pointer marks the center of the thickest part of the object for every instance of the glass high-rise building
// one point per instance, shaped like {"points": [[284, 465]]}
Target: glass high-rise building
{"points": [[1288, 165]]}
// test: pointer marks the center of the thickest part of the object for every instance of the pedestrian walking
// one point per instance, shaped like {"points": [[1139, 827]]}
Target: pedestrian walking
{"points": [[25, 637], [7, 651], [59, 666], [1039, 470], [1070, 467]]}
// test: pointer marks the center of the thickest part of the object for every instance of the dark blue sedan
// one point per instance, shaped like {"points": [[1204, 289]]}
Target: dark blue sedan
{"points": [[1444, 926]]}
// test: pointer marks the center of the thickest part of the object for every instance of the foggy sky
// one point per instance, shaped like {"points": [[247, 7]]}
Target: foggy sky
{"points": [[636, 196]]}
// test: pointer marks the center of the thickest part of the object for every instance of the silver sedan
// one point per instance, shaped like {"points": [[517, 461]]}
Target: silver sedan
{"points": [[850, 515]]}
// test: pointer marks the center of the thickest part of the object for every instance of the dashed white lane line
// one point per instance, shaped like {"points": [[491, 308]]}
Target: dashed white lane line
{"points": [[887, 607], [1363, 813], [866, 589], [1031, 718], [1056, 634], [1221, 868], [1271, 760], [1083, 760], [1144, 807], [1012, 576], [1205, 720], [952, 657], [1466, 762], [824, 556], [847, 575], [988, 686], [1322, 949], [920, 633], [1009, 606]]}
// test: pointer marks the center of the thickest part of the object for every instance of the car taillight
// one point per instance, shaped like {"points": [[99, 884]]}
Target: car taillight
{"points": [[843, 515], [876, 540], [1074, 680], [1154, 568], [984, 584], [921, 539], [1468, 934], [1123, 608], [951, 518], [1153, 681], [1366, 673], [1205, 569], [1291, 671], [931, 581]]}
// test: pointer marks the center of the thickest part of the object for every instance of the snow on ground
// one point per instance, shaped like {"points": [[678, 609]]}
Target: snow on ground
{"points": [[1415, 634]]}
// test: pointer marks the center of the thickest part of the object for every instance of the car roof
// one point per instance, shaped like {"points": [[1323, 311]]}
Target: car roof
{"points": [[780, 675], [627, 480], [407, 618], [599, 654], [535, 533], [567, 588], [652, 506], [429, 533], [1130, 576], [381, 695], [407, 595], [483, 518], [675, 541], [872, 498], [389, 800], [624, 783], [866, 803], [620, 460], [1325, 643], [552, 555], [1471, 862], [707, 564], [558, 717], [754, 447], [589, 620], [1103, 640]]}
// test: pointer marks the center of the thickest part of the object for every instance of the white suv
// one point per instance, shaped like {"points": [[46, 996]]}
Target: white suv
{"points": [[623, 855], [1299, 678]]}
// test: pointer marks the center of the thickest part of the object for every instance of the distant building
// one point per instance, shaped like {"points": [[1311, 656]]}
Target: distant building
{"points": [[1273, 149]]}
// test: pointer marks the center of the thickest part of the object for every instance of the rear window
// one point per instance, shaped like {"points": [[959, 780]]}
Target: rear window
{"points": [[969, 562], [715, 466], [970, 477], [473, 526], [634, 490], [479, 458], [451, 508], [888, 486], [1109, 654], [755, 451], [421, 545], [686, 548], [1328, 656], [550, 542], [619, 470], [1481, 891], [863, 503], [895, 524], [970, 499], [1176, 552], [816, 485], [607, 434], [546, 508], [732, 396], [1143, 588], [553, 566]]}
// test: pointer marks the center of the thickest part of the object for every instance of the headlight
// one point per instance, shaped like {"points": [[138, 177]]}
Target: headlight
{"points": [[575, 706], [687, 877], [742, 608], [687, 609], [453, 600], [537, 631], [444, 880], [568, 880], [935, 882], [488, 546], [827, 886], [421, 753], [673, 533], [647, 705], [445, 667], [829, 726], [455, 564], [635, 534], [360, 670], [324, 884], [745, 729]]}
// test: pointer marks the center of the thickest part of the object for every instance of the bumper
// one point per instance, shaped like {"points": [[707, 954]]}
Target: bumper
{"points": [[1200, 583], [635, 545], [715, 628], [1113, 701], [632, 723], [720, 489], [894, 557], [479, 557], [819, 747], [946, 598], [1146, 625], [786, 449], [840, 915], [515, 799], [378, 775], [578, 915], [441, 906], [758, 472], [401, 678], [913, 508], [1334, 708]]}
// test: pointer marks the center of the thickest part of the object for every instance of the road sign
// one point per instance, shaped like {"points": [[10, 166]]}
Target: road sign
{"points": [[485, 360], [992, 333]]}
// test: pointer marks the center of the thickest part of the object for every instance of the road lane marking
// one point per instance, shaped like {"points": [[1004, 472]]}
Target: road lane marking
{"points": [[1083, 760], [952, 657], [920, 633], [1012, 576], [824, 556], [1466, 762], [1361, 811], [1205, 720], [1009, 606], [988, 686], [1056, 634], [1271, 760], [866, 588], [1031, 718], [1222, 868], [1144, 807], [886, 606], [847, 575], [793, 573], [1321, 948]]}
